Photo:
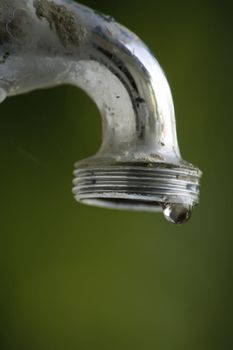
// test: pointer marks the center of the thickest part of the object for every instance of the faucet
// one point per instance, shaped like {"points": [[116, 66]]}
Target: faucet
{"points": [[46, 43]]}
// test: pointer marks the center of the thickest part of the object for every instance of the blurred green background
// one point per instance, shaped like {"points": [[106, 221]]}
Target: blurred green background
{"points": [[76, 277]]}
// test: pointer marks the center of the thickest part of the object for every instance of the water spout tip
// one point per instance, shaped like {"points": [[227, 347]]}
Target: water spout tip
{"points": [[157, 187]]}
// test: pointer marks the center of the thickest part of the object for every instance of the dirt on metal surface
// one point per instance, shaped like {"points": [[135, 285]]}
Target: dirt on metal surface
{"points": [[62, 20]]}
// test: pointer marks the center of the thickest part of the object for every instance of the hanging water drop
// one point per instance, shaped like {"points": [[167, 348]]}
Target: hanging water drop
{"points": [[177, 213]]}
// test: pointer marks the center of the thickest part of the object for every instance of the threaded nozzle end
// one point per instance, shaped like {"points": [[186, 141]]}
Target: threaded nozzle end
{"points": [[138, 187]]}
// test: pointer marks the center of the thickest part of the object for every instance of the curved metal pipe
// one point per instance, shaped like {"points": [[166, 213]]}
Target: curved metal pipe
{"points": [[47, 43]]}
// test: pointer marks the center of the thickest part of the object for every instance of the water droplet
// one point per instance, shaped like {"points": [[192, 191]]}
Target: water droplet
{"points": [[3, 95], [177, 213]]}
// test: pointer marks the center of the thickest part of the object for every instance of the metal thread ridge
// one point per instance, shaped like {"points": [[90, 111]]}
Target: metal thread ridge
{"points": [[160, 184]]}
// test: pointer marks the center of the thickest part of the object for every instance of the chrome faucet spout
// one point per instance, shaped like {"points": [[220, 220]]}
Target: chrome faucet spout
{"points": [[45, 43]]}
